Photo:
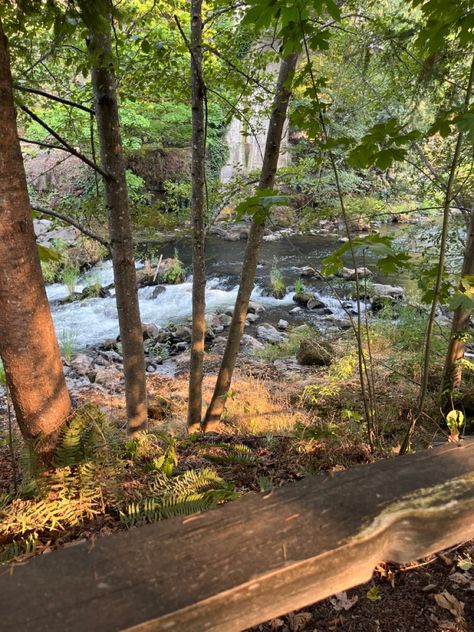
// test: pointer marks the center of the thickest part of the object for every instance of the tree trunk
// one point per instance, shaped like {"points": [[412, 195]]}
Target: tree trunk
{"points": [[267, 181], [198, 180], [97, 19], [28, 345], [459, 325]]}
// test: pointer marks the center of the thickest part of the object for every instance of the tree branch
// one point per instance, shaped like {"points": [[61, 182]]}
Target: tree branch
{"points": [[53, 97], [42, 144], [72, 222], [69, 147]]}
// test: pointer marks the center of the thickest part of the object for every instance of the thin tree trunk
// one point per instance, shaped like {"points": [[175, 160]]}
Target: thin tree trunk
{"points": [[28, 345], [97, 19], [448, 198], [267, 181], [461, 318], [198, 181]]}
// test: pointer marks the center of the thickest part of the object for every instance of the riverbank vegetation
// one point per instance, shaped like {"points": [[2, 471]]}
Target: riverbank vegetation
{"points": [[329, 147]]}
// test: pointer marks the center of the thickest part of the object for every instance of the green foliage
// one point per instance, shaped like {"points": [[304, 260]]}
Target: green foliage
{"points": [[382, 146], [67, 343], [69, 277], [299, 286], [176, 273], [290, 346], [185, 494], [259, 205], [229, 453], [277, 283], [338, 373], [389, 260]]}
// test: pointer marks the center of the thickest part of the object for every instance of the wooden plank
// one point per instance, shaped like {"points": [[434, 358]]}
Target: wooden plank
{"points": [[252, 559]]}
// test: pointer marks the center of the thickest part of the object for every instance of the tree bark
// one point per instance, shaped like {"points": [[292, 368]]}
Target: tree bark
{"points": [[459, 326], [97, 19], [267, 181], [198, 182], [28, 344]]}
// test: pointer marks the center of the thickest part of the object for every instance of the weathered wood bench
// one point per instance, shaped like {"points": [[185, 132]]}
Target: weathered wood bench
{"points": [[252, 559]]}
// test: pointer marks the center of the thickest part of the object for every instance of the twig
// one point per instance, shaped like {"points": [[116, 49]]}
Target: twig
{"points": [[53, 97]]}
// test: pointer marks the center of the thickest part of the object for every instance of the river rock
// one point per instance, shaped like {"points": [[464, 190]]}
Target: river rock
{"points": [[106, 376], [307, 271], [282, 324], [380, 289], [159, 289], [349, 274], [255, 308], [302, 298], [295, 311], [314, 353], [82, 364], [182, 334], [315, 303], [150, 330], [249, 343], [252, 318], [94, 291], [269, 333]]}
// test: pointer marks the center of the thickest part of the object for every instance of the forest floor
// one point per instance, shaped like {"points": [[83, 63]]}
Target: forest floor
{"points": [[284, 422]]}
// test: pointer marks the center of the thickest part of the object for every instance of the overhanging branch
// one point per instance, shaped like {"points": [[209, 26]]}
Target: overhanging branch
{"points": [[72, 222], [53, 97], [59, 138]]}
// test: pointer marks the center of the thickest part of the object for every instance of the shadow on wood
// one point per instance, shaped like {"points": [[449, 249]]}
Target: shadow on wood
{"points": [[253, 559]]}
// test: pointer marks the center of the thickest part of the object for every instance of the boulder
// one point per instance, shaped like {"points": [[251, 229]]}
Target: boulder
{"points": [[314, 353], [349, 274], [307, 271], [150, 330], [302, 298], [282, 324], [182, 334], [159, 289], [380, 289], [94, 291], [82, 364], [255, 308], [315, 303], [106, 376], [252, 318], [269, 333], [295, 310], [249, 343]]}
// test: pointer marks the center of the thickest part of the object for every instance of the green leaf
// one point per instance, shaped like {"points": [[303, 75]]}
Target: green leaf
{"points": [[47, 254], [258, 206], [374, 594], [454, 420]]}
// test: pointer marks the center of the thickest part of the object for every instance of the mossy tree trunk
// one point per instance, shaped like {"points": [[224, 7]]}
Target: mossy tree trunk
{"points": [[198, 182], [97, 18], [267, 181], [28, 344]]}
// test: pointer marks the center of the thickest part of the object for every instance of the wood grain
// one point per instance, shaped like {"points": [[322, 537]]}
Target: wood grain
{"points": [[252, 559]]}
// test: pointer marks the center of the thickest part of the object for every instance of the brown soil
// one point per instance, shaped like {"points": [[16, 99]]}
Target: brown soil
{"points": [[411, 598]]}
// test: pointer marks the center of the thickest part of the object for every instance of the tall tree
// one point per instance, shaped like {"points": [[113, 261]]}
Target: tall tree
{"points": [[198, 182], [98, 20], [266, 182], [28, 345]]}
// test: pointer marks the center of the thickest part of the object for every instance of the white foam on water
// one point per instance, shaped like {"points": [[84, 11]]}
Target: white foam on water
{"points": [[93, 320]]}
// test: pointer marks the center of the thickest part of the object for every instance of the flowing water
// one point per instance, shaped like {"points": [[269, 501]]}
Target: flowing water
{"points": [[93, 320]]}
